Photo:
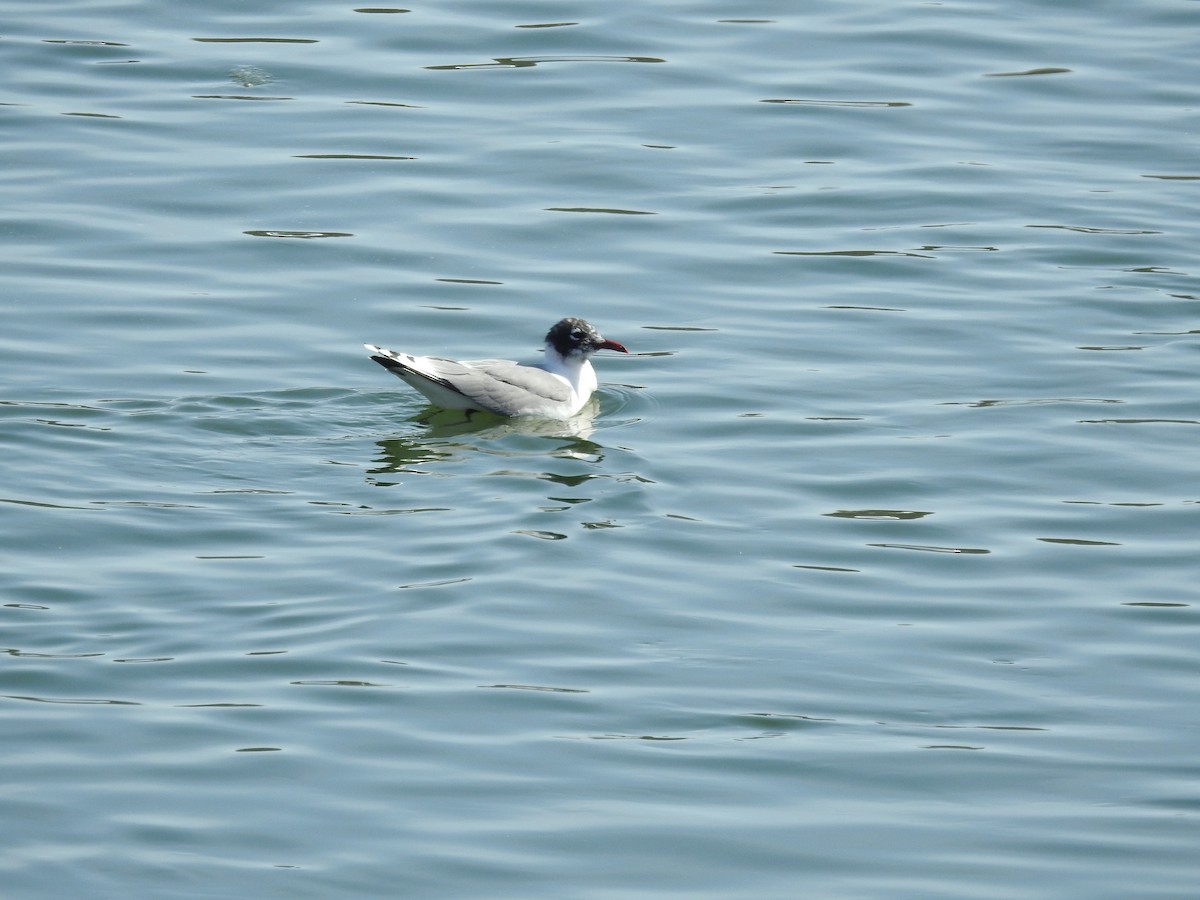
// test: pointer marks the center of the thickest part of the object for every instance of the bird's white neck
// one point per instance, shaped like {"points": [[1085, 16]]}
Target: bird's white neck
{"points": [[575, 369]]}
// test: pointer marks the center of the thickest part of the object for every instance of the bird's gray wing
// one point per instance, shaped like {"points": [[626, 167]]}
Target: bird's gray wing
{"points": [[509, 388], [496, 385]]}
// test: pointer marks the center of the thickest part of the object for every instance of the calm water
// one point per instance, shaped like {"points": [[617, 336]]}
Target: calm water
{"points": [[872, 575]]}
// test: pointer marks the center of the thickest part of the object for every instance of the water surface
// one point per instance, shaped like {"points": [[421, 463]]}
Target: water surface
{"points": [[871, 570]]}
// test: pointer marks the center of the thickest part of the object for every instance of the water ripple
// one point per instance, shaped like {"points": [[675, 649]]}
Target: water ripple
{"points": [[522, 62]]}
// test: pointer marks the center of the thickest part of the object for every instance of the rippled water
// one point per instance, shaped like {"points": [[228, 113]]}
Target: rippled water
{"points": [[870, 573]]}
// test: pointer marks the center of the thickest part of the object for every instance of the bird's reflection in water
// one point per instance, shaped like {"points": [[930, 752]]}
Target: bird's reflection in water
{"points": [[451, 434]]}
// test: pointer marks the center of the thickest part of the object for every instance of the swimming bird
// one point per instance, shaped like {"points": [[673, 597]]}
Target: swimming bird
{"points": [[555, 388]]}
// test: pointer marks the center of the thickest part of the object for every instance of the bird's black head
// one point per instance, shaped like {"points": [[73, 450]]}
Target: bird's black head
{"points": [[575, 337]]}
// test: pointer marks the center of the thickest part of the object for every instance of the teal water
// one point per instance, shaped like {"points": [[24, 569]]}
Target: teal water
{"points": [[871, 575]]}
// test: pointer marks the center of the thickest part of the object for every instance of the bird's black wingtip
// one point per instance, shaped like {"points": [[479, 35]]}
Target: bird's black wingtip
{"points": [[386, 361]]}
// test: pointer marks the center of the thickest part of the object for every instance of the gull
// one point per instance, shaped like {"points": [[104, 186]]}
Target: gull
{"points": [[556, 388]]}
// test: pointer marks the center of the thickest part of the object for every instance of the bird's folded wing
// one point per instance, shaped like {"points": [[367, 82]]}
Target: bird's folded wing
{"points": [[506, 387], [498, 385]]}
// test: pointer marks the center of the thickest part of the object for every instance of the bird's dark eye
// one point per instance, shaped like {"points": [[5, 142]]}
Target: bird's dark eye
{"points": [[577, 334]]}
